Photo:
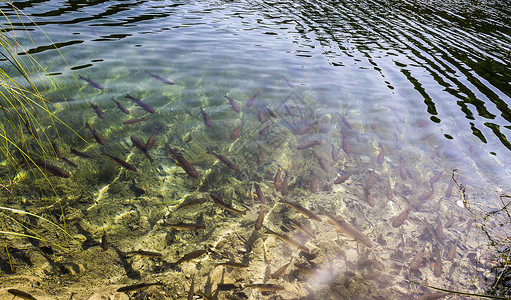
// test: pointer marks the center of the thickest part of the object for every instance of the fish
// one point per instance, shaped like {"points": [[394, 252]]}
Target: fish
{"points": [[233, 264], [190, 256], [191, 203], [166, 81], [143, 253], [438, 268], [234, 105], [303, 229], [288, 110], [314, 185], [448, 192], [433, 296], [260, 116], [288, 82], [280, 271], [98, 111], [141, 147], [289, 240], [225, 161], [369, 197], [284, 188], [259, 157], [91, 82], [55, 149], [216, 198], [343, 177], [335, 156], [381, 156], [141, 104], [134, 121], [346, 147], [277, 180], [122, 163], [137, 286], [51, 169], [121, 107], [260, 219], [81, 154], [183, 163], [439, 230], [416, 262], [260, 196], [321, 163], [236, 133], [435, 178], [192, 286], [270, 112], [451, 254], [265, 129], [21, 294], [67, 161], [348, 229], [426, 195], [266, 287], [104, 242], [388, 191], [371, 180], [304, 211], [401, 218], [426, 136], [345, 121], [206, 118], [152, 139], [252, 99], [185, 226], [402, 169], [305, 129], [308, 145], [99, 139], [397, 142]]}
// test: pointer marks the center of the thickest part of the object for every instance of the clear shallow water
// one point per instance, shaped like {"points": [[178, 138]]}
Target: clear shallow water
{"points": [[397, 72]]}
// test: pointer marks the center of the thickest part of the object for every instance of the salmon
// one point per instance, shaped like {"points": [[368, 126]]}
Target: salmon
{"points": [[259, 157], [122, 163], [206, 118], [345, 121], [308, 145], [260, 116], [343, 177], [99, 139], [183, 163], [81, 154], [134, 121], [152, 139], [121, 107], [277, 180], [233, 103], [216, 198], [259, 193], [270, 112], [166, 81], [236, 133], [321, 163], [381, 156], [349, 230], [335, 156], [416, 262], [305, 129], [260, 219], [225, 161], [280, 271], [190, 256], [304, 211], [140, 146], [289, 241], [91, 82], [51, 169], [252, 99], [401, 218], [98, 111], [141, 104], [402, 169]]}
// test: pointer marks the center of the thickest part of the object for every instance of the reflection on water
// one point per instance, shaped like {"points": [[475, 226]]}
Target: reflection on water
{"points": [[255, 131]]}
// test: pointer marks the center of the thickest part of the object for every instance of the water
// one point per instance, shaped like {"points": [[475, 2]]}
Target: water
{"points": [[427, 81]]}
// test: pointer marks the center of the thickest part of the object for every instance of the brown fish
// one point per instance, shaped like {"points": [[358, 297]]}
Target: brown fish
{"points": [[55, 149], [233, 264], [321, 163], [388, 191], [121, 107], [451, 254], [191, 203], [99, 139], [183, 163], [81, 154], [303, 229], [284, 188], [265, 129], [345, 121], [206, 118], [216, 198], [433, 296], [236, 133], [438, 268], [252, 100], [349, 230], [166, 81], [152, 139], [185, 226], [260, 219], [314, 185], [343, 177], [448, 192], [381, 156], [134, 121], [435, 178], [280, 271], [260, 116], [439, 230], [305, 129], [369, 197], [426, 195], [225, 161], [98, 111], [144, 253], [122, 163], [277, 180], [416, 262], [402, 169], [21, 294], [266, 287], [190, 256], [136, 287], [260, 196], [346, 147], [141, 104], [288, 110], [335, 156], [91, 82], [371, 180], [259, 157], [304, 211], [401, 218], [67, 161], [270, 112], [51, 169], [397, 142], [233, 103], [289, 240], [140, 146], [308, 145]]}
